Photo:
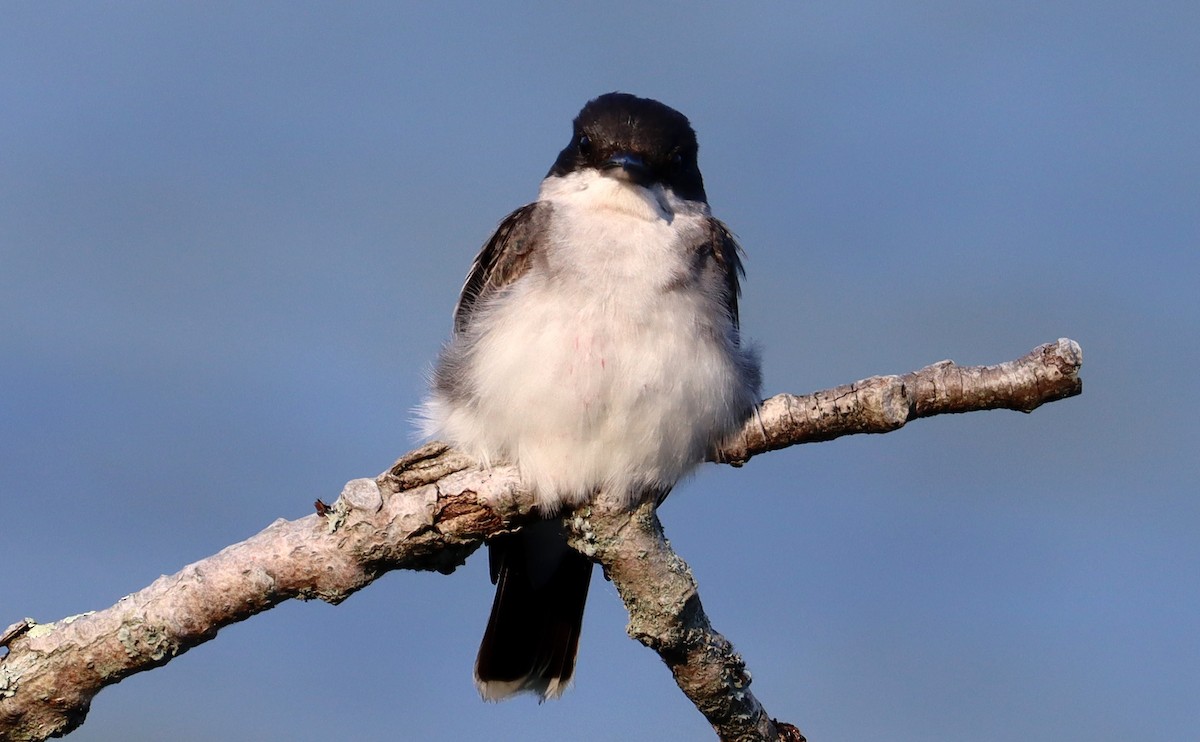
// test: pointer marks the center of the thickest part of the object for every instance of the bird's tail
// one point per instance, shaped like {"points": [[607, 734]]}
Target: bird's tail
{"points": [[533, 633]]}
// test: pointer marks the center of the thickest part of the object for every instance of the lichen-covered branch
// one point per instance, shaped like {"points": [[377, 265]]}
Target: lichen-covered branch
{"points": [[433, 508], [882, 404], [666, 615]]}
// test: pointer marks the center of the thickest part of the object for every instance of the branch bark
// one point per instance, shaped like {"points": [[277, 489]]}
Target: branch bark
{"points": [[434, 507]]}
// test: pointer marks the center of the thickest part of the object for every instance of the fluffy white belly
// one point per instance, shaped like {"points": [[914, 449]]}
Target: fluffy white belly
{"points": [[599, 399]]}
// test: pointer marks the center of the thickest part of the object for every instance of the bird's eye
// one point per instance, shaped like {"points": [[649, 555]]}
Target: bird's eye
{"points": [[676, 158], [585, 145]]}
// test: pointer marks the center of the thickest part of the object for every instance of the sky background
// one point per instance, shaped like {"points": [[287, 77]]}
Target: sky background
{"points": [[231, 237]]}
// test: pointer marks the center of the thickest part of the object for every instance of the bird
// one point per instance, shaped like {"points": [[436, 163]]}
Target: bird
{"points": [[596, 346]]}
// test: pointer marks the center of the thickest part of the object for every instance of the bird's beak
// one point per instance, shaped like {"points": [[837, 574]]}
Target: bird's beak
{"points": [[629, 167]]}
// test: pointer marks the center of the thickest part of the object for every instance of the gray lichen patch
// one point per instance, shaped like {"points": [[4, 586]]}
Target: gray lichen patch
{"points": [[9, 681], [146, 640]]}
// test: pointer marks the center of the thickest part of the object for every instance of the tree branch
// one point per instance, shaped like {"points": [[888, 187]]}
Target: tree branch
{"points": [[882, 404], [665, 614], [434, 507]]}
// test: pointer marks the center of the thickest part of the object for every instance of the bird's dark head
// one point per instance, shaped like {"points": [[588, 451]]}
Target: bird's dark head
{"points": [[635, 139]]}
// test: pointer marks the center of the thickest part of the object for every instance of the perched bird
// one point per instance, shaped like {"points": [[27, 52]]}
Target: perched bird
{"points": [[596, 346]]}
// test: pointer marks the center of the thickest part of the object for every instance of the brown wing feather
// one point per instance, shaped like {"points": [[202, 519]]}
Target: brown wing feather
{"points": [[502, 260], [728, 257]]}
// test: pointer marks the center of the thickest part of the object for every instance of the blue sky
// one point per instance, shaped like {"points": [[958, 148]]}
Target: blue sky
{"points": [[231, 238]]}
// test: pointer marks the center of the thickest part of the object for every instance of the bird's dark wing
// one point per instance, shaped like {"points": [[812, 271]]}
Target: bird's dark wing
{"points": [[504, 259], [727, 258]]}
